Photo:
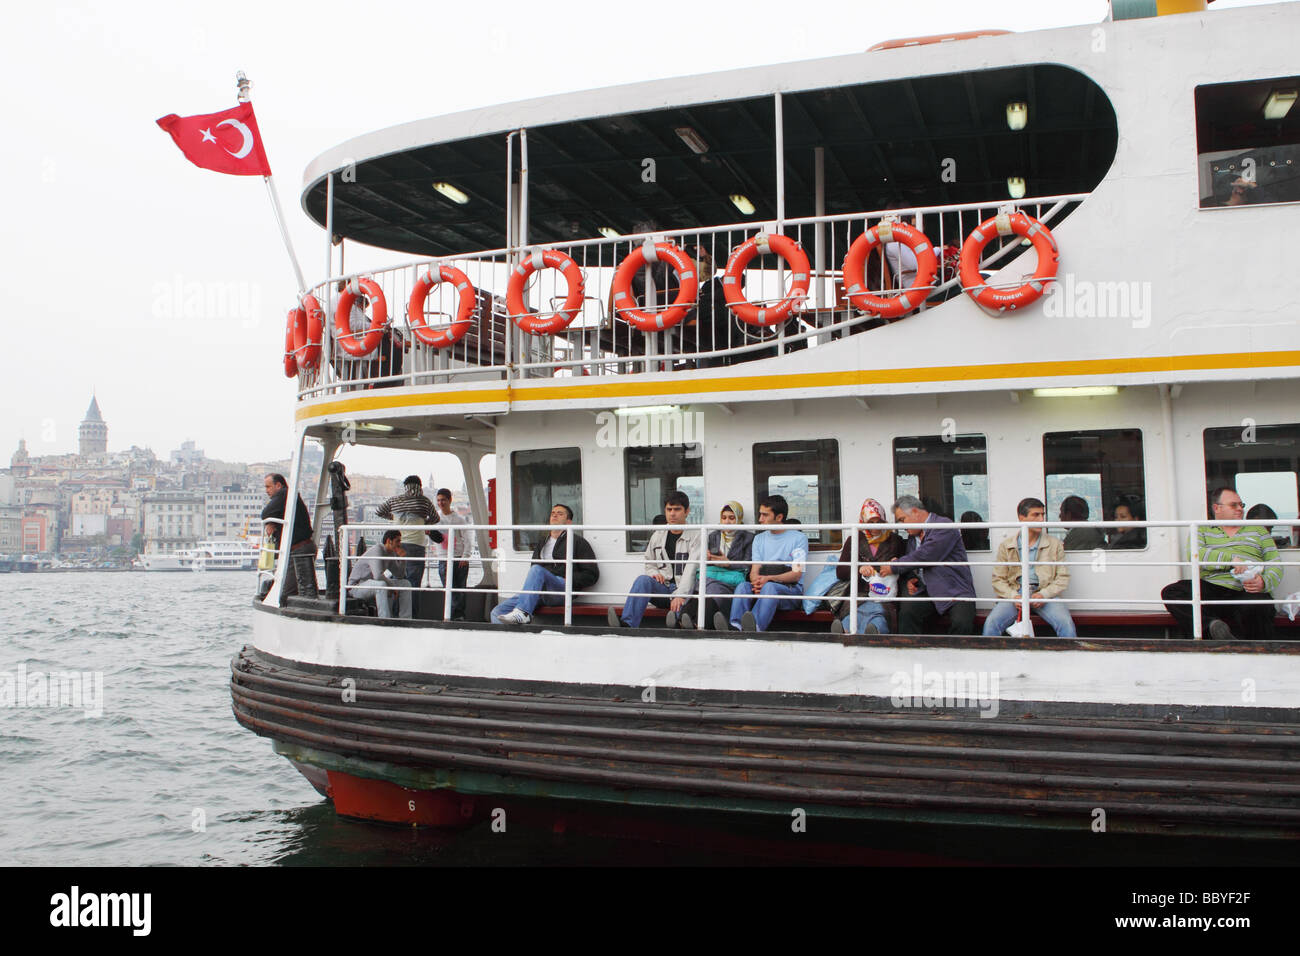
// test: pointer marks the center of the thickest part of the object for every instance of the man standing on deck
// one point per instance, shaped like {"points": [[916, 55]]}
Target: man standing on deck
{"points": [[411, 507], [1238, 563], [944, 582], [277, 490], [460, 561]]}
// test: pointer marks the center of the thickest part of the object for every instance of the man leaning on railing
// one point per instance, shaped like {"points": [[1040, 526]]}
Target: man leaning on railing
{"points": [[1237, 563]]}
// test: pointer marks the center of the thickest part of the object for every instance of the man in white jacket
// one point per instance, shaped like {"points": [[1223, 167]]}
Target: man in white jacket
{"points": [[672, 563]]}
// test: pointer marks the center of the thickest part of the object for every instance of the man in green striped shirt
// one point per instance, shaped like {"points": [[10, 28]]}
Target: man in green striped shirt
{"points": [[1237, 563]]}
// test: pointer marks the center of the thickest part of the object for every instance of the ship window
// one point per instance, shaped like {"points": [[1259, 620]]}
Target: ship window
{"points": [[1105, 468], [807, 475], [949, 473], [1263, 463], [653, 472], [1248, 142], [540, 478]]}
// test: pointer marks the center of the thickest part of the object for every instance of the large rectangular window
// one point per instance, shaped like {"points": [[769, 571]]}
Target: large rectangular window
{"points": [[1248, 142], [949, 473], [1098, 475], [540, 478], [650, 474], [807, 475], [1262, 462]]}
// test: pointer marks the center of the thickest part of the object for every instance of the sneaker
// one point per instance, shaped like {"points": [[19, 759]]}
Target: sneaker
{"points": [[670, 620], [1219, 631], [720, 622], [747, 622], [515, 617], [837, 626], [687, 623], [614, 620], [870, 629]]}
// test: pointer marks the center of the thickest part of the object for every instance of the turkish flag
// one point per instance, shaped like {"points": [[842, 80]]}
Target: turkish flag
{"points": [[224, 142]]}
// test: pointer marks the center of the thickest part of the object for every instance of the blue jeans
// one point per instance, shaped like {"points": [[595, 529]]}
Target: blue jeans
{"points": [[538, 579], [414, 565], [870, 612], [767, 609], [1003, 616], [640, 595]]}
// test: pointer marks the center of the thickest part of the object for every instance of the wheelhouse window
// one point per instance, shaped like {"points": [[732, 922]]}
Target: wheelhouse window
{"points": [[1263, 463], [1104, 468], [650, 474], [1248, 142], [807, 475], [949, 473], [540, 478]]}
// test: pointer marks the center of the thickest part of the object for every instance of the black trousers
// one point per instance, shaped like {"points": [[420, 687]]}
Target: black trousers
{"points": [[1247, 623], [921, 617], [459, 576]]}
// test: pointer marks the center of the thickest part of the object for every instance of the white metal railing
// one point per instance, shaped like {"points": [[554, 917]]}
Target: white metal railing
{"points": [[699, 596], [597, 342]]}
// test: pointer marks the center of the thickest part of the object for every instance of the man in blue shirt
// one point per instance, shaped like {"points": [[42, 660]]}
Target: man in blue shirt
{"points": [[778, 558]]}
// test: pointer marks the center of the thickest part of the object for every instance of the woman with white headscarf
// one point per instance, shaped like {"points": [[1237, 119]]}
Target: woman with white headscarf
{"points": [[731, 551]]}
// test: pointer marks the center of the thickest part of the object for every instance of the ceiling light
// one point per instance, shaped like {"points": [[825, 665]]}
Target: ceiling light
{"points": [[1278, 104], [1016, 187], [1017, 115], [648, 410], [691, 139], [374, 427], [451, 192], [742, 203], [609, 233], [1076, 392]]}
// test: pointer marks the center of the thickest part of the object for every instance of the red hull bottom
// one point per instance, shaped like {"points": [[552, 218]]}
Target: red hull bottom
{"points": [[383, 802]]}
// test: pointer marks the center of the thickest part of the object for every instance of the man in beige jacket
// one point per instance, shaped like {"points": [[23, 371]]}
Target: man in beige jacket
{"points": [[1046, 580]]}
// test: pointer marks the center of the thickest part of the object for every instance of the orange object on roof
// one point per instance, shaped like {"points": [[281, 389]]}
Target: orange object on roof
{"points": [[937, 38]]}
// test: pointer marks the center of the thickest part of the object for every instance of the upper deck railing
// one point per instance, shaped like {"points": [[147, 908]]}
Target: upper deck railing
{"points": [[599, 341], [1190, 566]]}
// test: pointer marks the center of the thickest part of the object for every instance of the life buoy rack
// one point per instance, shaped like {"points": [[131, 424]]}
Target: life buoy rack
{"points": [[733, 279], [688, 286], [1007, 224], [359, 344], [441, 338], [544, 323], [290, 362], [855, 265], [308, 326]]}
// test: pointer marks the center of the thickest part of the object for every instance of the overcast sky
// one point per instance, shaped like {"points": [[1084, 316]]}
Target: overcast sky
{"points": [[104, 220]]}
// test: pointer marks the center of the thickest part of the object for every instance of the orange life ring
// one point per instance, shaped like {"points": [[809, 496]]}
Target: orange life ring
{"points": [[546, 323], [733, 278], [290, 363], [369, 340], [308, 325], [687, 292], [855, 266], [1006, 224], [441, 338]]}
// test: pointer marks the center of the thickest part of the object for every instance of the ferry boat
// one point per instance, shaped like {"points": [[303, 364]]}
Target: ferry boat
{"points": [[1109, 316], [219, 554]]}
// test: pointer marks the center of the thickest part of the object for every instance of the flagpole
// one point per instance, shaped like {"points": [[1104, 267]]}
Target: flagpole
{"points": [[242, 82]]}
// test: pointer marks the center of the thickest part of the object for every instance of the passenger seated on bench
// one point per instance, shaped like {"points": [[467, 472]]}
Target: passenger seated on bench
{"points": [[547, 571], [672, 562], [1045, 580], [1075, 508], [731, 551], [379, 576], [944, 582], [875, 547], [778, 557], [1127, 508]]}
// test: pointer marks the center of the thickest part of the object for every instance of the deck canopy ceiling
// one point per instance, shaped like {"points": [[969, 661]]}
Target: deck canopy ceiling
{"points": [[884, 141]]}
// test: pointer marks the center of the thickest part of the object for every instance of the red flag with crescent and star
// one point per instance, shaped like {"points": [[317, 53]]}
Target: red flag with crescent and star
{"points": [[226, 142]]}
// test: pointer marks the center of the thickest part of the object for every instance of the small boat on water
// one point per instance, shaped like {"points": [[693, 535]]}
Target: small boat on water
{"points": [[1097, 306], [221, 554]]}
